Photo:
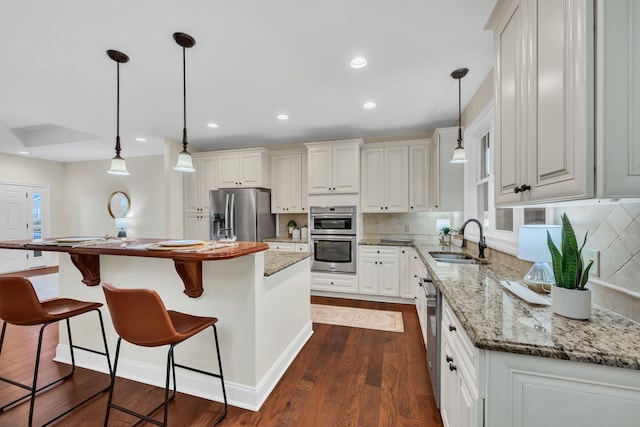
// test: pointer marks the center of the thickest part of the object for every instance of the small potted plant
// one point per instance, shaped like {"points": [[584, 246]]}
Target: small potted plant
{"points": [[445, 235], [569, 296], [292, 225]]}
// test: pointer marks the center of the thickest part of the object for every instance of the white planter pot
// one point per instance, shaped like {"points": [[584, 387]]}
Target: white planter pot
{"points": [[571, 303]]}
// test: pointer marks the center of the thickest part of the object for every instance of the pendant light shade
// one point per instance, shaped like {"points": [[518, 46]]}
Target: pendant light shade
{"points": [[458, 153], [118, 165], [185, 162]]}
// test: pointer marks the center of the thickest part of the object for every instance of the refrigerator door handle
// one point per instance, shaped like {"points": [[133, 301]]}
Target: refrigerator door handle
{"points": [[232, 212], [226, 211]]}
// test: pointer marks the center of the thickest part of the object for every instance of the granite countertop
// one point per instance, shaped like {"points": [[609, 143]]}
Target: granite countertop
{"points": [[277, 261], [497, 320], [285, 240], [379, 242]]}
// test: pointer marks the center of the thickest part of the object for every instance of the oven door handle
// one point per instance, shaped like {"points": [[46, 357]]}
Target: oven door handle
{"points": [[332, 237]]}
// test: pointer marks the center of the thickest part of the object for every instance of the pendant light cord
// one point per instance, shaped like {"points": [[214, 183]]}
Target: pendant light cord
{"points": [[117, 109], [184, 98], [459, 112]]}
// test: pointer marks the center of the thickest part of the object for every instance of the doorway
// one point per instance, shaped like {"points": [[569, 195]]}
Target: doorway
{"points": [[24, 215]]}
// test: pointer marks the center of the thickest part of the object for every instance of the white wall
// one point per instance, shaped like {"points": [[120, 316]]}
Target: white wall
{"points": [[88, 186]]}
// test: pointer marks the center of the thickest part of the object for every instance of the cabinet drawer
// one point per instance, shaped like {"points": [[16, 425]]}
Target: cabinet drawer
{"points": [[334, 283], [280, 246], [377, 251], [302, 247]]}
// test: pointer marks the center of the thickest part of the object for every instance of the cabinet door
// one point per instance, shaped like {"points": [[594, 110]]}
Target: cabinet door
{"points": [[304, 187], [191, 190], [280, 189], [389, 276], [448, 386], [509, 82], [618, 107], [320, 170], [294, 187], [346, 169], [418, 178], [373, 180], [368, 275], [228, 170], [467, 406], [196, 227], [396, 179], [560, 141], [208, 178], [250, 170], [407, 273]]}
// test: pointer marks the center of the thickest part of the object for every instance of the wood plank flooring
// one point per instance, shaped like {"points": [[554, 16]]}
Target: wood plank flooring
{"points": [[343, 377]]}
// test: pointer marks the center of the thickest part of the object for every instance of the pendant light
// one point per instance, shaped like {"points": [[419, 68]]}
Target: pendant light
{"points": [[118, 165], [185, 162], [458, 153]]}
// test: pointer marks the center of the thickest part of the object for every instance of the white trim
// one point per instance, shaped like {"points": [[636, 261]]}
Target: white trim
{"points": [[239, 395], [615, 288], [363, 297]]}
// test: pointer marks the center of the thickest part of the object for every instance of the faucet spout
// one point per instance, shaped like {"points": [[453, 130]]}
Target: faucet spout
{"points": [[481, 242]]}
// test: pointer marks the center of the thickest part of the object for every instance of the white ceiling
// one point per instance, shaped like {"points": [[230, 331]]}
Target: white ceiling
{"points": [[253, 60]]}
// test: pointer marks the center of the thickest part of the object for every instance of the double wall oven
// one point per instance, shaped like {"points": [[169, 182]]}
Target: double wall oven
{"points": [[333, 239]]}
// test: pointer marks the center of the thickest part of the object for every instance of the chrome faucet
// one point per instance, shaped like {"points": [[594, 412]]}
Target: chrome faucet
{"points": [[481, 243]]}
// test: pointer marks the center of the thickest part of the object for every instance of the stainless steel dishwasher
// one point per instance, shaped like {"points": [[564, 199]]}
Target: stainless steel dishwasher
{"points": [[434, 315]]}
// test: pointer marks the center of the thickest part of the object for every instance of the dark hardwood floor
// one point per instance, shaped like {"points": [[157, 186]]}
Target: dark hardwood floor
{"points": [[343, 377]]}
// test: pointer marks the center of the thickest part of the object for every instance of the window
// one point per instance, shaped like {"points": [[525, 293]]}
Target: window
{"points": [[500, 223]]}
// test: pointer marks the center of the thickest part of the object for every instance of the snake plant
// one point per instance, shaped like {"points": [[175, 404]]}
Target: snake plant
{"points": [[568, 265]]}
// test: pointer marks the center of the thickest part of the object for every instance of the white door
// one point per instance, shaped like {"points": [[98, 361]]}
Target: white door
{"points": [[13, 225]]}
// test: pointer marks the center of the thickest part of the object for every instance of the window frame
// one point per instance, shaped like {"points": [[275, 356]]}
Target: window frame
{"points": [[504, 241]]}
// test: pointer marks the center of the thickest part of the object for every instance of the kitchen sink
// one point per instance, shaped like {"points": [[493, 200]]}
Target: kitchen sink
{"points": [[454, 258]]}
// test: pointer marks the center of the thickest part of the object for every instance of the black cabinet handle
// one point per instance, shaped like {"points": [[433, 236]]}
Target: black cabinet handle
{"points": [[452, 328], [522, 188], [449, 359], [452, 367]]}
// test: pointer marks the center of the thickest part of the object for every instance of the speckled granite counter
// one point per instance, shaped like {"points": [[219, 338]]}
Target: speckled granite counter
{"points": [[495, 319], [277, 261]]}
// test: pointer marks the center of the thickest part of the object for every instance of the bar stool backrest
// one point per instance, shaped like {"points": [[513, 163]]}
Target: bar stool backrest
{"points": [[19, 304], [139, 316]]}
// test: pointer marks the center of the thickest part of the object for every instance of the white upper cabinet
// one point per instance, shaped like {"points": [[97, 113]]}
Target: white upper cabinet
{"points": [[287, 172], [544, 80], [334, 167], [447, 179], [618, 95], [385, 178], [198, 184], [419, 185], [243, 168]]}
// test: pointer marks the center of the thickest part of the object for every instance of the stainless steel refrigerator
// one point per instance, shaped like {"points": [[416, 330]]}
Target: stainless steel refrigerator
{"points": [[245, 211]]}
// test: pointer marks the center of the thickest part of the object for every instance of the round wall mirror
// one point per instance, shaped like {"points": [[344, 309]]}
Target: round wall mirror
{"points": [[118, 204]]}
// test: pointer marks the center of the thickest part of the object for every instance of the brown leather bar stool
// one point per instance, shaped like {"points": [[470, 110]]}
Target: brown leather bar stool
{"points": [[19, 305], [140, 317]]}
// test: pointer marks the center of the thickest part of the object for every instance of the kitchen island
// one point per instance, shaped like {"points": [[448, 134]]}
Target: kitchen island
{"points": [[264, 320]]}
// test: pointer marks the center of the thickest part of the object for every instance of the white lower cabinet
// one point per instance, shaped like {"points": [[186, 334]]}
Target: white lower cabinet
{"points": [[408, 273], [196, 226], [501, 389], [460, 401], [379, 270], [347, 283]]}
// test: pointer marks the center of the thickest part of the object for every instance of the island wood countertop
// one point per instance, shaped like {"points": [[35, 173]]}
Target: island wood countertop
{"points": [[86, 256]]}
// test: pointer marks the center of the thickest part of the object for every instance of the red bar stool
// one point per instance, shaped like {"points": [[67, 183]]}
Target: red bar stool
{"points": [[140, 317], [19, 305]]}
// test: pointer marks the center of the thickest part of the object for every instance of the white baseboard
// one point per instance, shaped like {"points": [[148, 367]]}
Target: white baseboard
{"points": [[363, 297], [191, 383]]}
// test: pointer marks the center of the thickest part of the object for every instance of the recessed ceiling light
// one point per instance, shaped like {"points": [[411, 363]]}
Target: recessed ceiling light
{"points": [[26, 153], [283, 117], [212, 125], [140, 139], [369, 105], [358, 62]]}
